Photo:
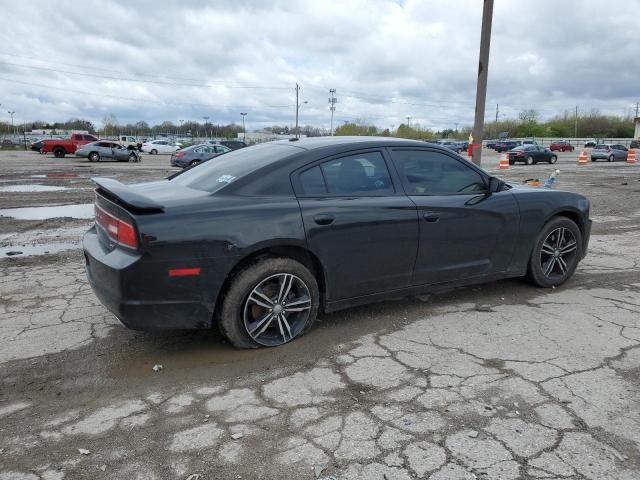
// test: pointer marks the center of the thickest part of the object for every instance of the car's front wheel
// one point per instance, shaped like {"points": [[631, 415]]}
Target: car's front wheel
{"points": [[269, 303], [556, 252], [553, 159], [611, 158], [529, 160], [154, 152], [94, 157]]}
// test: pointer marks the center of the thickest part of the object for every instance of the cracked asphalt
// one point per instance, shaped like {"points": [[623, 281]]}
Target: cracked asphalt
{"points": [[494, 382]]}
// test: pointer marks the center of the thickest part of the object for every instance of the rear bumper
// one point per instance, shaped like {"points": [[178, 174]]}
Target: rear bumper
{"points": [[128, 285]]}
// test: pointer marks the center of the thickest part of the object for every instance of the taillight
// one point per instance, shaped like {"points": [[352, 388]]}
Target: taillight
{"points": [[178, 154], [118, 230]]}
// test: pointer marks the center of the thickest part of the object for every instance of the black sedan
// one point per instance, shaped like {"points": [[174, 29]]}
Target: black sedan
{"points": [[531, 154], [197, 154], [261, 240]]}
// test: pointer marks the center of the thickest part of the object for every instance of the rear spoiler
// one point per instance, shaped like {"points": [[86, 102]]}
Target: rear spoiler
{"points": [[126, 196]]}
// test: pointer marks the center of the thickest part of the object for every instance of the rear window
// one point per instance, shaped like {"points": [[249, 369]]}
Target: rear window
{"points": [[214, 175], [601, 147]]}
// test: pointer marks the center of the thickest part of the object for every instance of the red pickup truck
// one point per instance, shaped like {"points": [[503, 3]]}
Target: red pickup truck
{"points": [[68, 146], [561, 146]]}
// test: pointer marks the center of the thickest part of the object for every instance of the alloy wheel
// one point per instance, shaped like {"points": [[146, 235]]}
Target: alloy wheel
{"points": [[277, 309], [558, 253]]}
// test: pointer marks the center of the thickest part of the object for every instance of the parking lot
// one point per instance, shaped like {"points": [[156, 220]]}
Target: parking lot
{"points": [[499, 381]]}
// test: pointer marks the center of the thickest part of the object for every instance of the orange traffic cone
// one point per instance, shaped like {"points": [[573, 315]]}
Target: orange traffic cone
{"points": [[504, 161], [582, 159], [631, 156]]}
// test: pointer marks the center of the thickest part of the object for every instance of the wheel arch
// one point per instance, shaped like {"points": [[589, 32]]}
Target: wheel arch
{"points": [[283, 250], [572, 215]]}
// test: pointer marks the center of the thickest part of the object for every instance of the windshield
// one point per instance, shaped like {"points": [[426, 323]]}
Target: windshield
{"points": [[225, 169]]}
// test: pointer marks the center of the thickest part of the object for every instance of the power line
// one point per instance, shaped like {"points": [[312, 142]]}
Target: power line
{"points": [[144, 100], [156, 82]]}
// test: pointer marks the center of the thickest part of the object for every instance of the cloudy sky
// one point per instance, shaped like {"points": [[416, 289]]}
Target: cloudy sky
{"points": [[158, 60]]}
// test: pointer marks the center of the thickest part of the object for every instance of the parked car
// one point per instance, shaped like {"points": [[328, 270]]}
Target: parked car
{"points": [[105, 150], [561, 146], [590, 144], [609, 152], [159, 146], [634, 144], [62, 147], [492, 143], [455, 146], [196, 154], [531, 154], [529, 142], [232, 144], [506, 146], [262, 239]]}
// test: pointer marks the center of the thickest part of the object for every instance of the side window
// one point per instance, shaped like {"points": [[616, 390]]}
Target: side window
{"points": [[364, 173], [434, 173], [312, 182], [102, 144], [198, 150]]}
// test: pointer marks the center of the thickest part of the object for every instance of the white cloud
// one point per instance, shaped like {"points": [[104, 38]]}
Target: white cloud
{"points": [[386, 59]]}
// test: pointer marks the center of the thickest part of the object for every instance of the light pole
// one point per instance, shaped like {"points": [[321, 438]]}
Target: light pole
{"points": [[409, 121], [206, 120], [180, 127], [12, 129], [244, 132], [332, 106], [298, 107]]}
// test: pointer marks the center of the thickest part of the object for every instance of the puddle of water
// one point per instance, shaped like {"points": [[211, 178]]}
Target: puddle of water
{"points": [[41, 242], [84, 210], [32, 188], [43, 249]]}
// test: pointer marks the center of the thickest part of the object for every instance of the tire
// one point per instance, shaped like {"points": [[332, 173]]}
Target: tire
{"points": [[544, 251], [193, 163], [154, 152], [553, 159], [94, 157], [58, 152], [133, 157], [530, 161], [511, 162], [611, 158], [238, 313]]}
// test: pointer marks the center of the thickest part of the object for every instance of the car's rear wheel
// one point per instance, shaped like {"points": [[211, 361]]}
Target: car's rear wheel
{"points": [[269, 303], [94, 157], [611, 158], [556, 252], [154, 152], [58, 152], [529, 160], [553, 159]]}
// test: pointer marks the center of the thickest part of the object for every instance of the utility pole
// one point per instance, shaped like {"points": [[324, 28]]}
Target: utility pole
{"points": [[332, 106], [575, 124], [408, 121], [297, 108], [483, 71], [637, 108], [244, 132]]}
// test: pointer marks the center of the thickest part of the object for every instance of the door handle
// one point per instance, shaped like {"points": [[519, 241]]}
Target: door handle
{"points": [[431, 216], [324, 219]]}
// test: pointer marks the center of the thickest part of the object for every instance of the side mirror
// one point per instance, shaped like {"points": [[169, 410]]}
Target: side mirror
{"points": [[495, 184]]}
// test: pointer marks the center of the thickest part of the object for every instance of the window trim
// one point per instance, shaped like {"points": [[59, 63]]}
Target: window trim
{"points": [[297, 184], [483, 175]]}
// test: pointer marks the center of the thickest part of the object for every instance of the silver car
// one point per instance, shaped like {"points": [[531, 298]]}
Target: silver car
{"points": [[96, 151], [608, 152]]}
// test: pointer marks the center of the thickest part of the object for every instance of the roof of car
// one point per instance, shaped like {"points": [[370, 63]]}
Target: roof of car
{"points": [[321, 142]]}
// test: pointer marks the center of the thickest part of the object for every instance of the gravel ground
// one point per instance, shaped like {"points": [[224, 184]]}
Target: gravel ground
{"points": [[500, 381]]}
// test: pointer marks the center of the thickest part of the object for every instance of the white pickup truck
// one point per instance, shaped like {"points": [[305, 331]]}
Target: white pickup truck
{"points": [[130, 143]]}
